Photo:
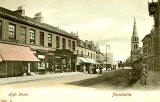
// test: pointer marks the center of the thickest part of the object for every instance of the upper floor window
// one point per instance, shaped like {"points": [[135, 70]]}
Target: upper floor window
{"points": [[12, 31], [49, 40], [57, 42], [63, 43], [69, 44], [32, 36], [73, 45], [23, 30], [42, 38]]}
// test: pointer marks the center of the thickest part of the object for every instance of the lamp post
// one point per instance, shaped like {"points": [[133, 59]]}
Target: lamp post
{"points": [[106, 55]]}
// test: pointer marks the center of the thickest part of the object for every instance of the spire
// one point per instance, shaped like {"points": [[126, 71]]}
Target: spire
{"points": [[134, 28]]}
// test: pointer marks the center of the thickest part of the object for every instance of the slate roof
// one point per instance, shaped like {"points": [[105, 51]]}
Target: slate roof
{"points": [[32, 22]]}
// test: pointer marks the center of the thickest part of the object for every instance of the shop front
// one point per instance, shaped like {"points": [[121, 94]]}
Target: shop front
{"points": [[43, 63], [64, 60], [89, 64], [15, 60]]}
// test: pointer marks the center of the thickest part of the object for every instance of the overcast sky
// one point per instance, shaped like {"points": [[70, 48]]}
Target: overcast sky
{"points": [[104, 21]]}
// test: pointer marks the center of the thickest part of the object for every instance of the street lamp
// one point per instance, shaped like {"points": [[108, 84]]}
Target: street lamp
{"points": [[106, 54]]}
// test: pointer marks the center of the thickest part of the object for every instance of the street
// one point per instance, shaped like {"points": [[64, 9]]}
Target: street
{"points": [[79, 88]]}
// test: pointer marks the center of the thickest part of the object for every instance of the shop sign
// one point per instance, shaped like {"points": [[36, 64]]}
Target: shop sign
{"points": [[41, 56]]}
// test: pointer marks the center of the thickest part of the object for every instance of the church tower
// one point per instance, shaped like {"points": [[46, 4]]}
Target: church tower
{"points": [[134, 43]]}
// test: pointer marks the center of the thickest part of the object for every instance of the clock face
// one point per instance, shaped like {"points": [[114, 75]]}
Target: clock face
{"points": [[152, 8]]}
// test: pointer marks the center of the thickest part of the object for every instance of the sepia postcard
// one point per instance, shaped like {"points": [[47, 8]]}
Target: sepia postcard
{"points": [[79, 50]]}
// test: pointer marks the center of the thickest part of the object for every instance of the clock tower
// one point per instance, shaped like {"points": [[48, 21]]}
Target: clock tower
{"points": [[154, 11]]}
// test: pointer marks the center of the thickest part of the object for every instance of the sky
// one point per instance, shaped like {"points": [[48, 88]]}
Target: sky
{"points": [[106, 22]]}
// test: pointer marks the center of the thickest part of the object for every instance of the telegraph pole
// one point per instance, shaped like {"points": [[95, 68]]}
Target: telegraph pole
{"points": [[106, 55]]}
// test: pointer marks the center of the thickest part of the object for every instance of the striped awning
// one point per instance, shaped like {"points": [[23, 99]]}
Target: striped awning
{"points": [[9, 52]]}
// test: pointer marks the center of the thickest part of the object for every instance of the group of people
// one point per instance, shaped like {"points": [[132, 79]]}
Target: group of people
{"points": [[92, 68]]}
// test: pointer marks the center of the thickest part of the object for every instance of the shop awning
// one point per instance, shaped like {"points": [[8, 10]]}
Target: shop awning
{"points": [[10, 52], [92, 61], [83, 59]]}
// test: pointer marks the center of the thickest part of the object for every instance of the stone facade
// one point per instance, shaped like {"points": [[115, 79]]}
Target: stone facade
{"points": [[154, 56], [86, 49], [15, 28]]}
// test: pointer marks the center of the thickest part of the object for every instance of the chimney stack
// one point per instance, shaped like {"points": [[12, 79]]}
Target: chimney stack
{"points": [[20, 10], [38, 17]]}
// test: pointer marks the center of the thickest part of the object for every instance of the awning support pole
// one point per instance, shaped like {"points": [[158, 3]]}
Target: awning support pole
{"points": [[6, 68], [12, 68]]}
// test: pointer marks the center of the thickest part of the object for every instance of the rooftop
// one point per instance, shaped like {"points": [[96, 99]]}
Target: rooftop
{"points": [[6, 13]]}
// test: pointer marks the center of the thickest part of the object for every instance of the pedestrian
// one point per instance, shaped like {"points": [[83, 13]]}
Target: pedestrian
{"points": [[89, 68], [84, 68], [100, 69]]}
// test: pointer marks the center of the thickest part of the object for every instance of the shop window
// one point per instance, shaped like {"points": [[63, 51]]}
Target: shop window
{"points": [[32, 36], [57, 42], [12, 31], [73, 45], [49, 40], [63, 43]]}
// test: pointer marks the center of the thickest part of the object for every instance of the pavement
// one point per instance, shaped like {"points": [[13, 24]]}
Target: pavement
{"points": [[36, 77], [39, 77]]}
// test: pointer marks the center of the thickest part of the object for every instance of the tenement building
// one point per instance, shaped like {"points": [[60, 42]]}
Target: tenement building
{"points": [[88, 54], [154, 59], [148, 55], [30, 45]]}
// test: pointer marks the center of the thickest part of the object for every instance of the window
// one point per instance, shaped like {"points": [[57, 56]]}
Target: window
{"points": [[57, 42], [69, 44], [63, 43], [23, 33], [88, 53], [12, 31], [23, 30], [73, 45], [32, 36], [42, 38], [49, 40], [91, 55]]}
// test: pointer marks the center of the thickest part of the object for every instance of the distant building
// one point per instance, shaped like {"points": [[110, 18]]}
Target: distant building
{"points": [[148, 54], [86, 49]]}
